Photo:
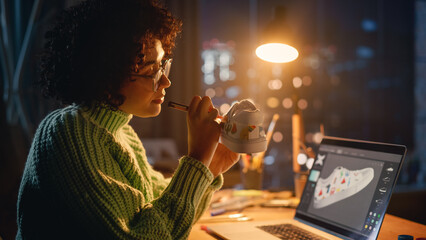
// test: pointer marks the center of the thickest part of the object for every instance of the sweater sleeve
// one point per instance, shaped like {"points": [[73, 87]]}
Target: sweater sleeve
{"points": [[159, 183], [86, 176], [205, 200]]}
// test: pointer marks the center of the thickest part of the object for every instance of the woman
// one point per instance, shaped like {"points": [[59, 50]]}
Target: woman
{"points": [[87, 174]]}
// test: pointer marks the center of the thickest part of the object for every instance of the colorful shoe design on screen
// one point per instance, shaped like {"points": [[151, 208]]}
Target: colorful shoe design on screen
{"points": [[341, 184], [243, 131]]}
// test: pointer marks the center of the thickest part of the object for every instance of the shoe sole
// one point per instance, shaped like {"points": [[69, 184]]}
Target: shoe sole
{"points": [[244, 146]]}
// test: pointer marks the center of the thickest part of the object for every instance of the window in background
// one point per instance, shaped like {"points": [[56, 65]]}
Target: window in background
{"points": [[218, 74], [354, 74]]}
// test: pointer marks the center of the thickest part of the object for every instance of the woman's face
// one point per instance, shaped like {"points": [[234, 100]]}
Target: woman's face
{"points": [[141, 99]]}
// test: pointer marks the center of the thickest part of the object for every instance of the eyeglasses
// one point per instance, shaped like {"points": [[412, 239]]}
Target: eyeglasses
{"points": [[164, 69]]}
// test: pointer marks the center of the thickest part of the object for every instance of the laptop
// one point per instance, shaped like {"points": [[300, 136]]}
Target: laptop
{"points": [[345, 197]]}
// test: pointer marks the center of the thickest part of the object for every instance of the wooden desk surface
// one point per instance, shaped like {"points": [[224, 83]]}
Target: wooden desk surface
{"points": [[391, 228]]}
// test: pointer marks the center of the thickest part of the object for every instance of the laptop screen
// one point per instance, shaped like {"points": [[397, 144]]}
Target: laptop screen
{"points": [[349, 186]]}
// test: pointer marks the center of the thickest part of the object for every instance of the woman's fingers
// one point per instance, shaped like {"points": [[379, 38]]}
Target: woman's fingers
{"points": [[193, 106], [205, 106], [202, 107], [203, 130], [213, 113]]}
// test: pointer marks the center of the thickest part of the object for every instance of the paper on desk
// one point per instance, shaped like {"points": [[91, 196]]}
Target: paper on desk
{"points": [[238, 217]]}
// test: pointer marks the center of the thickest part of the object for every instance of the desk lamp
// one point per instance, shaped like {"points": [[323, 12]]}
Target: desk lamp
{"points": [[276, 41], [276, 48]]}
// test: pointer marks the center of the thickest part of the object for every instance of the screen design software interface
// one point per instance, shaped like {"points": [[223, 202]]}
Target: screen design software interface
{"points": [[349, 187]]}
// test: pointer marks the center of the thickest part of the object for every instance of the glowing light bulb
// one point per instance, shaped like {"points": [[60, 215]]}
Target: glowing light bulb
{"points": [[277, 52]]}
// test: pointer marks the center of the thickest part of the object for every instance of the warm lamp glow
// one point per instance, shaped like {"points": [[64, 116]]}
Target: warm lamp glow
{"points": [[277, 52]]}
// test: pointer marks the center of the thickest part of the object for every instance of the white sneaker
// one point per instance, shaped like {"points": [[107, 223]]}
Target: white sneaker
{"points": [[341, 184], [243, 131]]}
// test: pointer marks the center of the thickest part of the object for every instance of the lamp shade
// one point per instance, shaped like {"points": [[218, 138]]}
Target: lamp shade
{"points": [[276, 52], [277, 40]]}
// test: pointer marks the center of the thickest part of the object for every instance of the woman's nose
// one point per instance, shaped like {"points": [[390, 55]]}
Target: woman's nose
{"points": [[164, 81]]}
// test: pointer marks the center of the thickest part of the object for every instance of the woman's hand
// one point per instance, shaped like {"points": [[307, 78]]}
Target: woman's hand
{"points": [[223, 160], [203, 129]]}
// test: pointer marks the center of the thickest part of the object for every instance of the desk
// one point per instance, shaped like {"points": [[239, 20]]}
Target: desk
{"points": [[391, 228]]}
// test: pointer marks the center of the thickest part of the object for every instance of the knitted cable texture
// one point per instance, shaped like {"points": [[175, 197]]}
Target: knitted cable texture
{"points": [[87, 177]]}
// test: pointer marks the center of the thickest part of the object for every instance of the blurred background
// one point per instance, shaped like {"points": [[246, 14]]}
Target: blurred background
{"points": [[361, 73]]}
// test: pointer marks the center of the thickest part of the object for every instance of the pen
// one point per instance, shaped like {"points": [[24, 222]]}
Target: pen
{"points": [[178, 106], [207, 230], [181, 107], [217, 212]]}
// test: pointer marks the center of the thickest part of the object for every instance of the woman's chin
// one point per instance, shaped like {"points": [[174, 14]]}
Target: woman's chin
{"points": [[151, 112]]}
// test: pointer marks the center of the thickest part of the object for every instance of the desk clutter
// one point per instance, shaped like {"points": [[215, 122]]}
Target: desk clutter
{"points": [[228, 204]]}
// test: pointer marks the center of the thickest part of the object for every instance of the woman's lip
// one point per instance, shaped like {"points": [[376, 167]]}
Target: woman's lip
{"points": [[158, 100]]}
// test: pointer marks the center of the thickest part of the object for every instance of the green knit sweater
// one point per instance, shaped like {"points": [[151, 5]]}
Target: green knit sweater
{"points": [[87, 176]]}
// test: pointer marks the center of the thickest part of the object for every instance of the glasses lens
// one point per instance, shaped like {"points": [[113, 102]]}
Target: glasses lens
{"points": [[156, 80], [165, 69], [167, 66]]}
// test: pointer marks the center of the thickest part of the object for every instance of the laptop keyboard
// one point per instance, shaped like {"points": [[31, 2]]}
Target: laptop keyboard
{"points": [[290, 232]]}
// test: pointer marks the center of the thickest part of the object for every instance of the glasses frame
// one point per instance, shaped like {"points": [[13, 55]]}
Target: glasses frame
{"points": [[164, 69]]}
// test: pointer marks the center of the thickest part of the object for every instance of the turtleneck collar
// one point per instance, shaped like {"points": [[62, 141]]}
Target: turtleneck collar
{"points": [[107, 118]]}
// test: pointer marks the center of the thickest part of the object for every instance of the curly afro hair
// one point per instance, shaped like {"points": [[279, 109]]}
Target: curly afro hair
{"points": [[94, 46]]}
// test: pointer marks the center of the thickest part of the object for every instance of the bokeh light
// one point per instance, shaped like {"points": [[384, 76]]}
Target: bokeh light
{"points": [[219, 91], [302, 158], [369, 25], [297, 82], [309, 137], [302, 104], [224, 108], [318, 137], [269, 160], [277, 137], [209, 79], [275, 84], [210, 92], [272, 102], [233, 92], [287, 103], [307, 81]]}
